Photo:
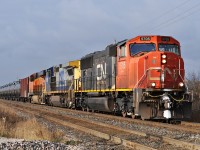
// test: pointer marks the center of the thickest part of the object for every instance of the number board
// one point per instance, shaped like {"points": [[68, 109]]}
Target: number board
{"points": [[166, 39], [145, 38]]}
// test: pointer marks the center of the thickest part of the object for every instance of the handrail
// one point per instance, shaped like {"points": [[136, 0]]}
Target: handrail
{"points": [[154, 68], [145, 74]]}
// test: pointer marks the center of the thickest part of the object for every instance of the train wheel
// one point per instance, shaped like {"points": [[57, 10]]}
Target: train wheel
{"points": [[142, 118], [133, 116], [123, 113], [83, 109], [87, 109]]}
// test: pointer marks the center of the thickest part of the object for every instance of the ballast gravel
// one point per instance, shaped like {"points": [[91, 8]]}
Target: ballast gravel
{"points": [[18, 144], [179, 135], [15, 144]]}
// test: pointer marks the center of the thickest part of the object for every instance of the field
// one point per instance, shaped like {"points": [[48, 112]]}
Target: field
{"points": [[13, 125]]}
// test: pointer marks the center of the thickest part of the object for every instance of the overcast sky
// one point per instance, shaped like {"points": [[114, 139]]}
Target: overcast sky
{"points": [[37, 34]]}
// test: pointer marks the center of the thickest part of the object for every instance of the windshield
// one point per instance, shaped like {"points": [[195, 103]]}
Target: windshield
{"points": [[142, 47], [169, 48]]}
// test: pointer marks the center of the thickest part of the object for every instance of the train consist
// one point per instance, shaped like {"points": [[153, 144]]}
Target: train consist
{"points": [[140, 77]]}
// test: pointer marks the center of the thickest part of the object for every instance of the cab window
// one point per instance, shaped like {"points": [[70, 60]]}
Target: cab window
{"points": [[169, 48], [122, 51], [141, 47]]}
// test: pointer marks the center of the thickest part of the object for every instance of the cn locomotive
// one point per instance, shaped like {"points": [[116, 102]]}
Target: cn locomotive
{"points": [[140, 77]]}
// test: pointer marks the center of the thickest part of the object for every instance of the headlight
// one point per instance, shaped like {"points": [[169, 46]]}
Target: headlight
{"points": [[181, 84], [164, 61], [153, 84], [164, 56]]}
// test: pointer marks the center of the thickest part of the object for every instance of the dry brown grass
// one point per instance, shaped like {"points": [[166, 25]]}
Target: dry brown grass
{"points": [[8, 120], [14, 126], [32, 130]]}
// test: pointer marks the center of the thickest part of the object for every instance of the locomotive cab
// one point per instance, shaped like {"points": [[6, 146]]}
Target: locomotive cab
{"points": [[153, 68]]}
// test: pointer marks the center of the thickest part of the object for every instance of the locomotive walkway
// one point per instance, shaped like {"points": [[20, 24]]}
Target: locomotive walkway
{"points": [[127, 137]]}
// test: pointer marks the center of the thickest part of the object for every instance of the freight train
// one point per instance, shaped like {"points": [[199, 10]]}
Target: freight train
{"points": [[140, 77]]}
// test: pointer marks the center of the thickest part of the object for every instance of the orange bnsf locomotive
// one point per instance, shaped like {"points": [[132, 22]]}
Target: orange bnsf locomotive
{"points": [[143, 77]]}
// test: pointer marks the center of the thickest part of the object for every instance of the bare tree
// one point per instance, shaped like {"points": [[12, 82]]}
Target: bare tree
{"points": [[193, 83]]}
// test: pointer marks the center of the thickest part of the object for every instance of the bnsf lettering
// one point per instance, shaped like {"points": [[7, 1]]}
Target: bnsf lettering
{"points": [[101, 71]]}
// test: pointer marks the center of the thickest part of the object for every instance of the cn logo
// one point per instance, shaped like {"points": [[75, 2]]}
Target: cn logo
{"points": [[101, 71]]}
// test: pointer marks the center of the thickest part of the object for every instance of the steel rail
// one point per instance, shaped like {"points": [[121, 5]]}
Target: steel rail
{"points": [[192, 124]]}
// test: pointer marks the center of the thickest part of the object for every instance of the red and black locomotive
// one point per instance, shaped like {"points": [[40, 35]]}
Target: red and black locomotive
{"points": [[140, 77]]}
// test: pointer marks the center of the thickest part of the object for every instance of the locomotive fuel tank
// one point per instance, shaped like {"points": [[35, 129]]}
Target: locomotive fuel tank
{"points": [[56, 101], [104, 104]]}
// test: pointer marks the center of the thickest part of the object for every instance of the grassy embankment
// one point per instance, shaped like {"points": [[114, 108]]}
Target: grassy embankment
{"points": [[13, 126]]}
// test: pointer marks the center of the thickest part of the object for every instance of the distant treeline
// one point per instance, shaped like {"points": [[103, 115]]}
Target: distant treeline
{"points": [[193, 83]]}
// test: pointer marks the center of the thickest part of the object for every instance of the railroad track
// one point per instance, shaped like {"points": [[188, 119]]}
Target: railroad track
{"points": [[118, 135], [185, 126], [191, 125]]}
